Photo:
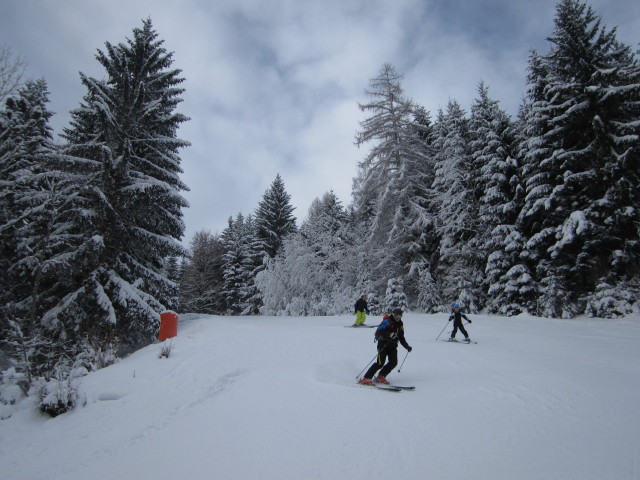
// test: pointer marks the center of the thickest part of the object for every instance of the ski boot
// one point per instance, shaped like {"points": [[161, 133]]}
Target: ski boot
{"points": [[381, 379]]}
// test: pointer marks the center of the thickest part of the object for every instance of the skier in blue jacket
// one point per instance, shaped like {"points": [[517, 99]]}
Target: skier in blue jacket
{"points": [[388, 334], [457, 317]]}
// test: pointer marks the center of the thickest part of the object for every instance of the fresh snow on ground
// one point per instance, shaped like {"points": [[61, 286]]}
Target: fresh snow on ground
{"points": [[274, 398]]}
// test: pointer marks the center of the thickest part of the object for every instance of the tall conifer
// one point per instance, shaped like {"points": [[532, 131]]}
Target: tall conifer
{"points": [[582, 165], [274, 217], [126, 129]]}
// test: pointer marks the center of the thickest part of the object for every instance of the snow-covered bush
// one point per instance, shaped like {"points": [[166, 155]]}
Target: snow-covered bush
{"points": [[166, 348], [10, 392], [610, 302], [60, 393], [95, 357]]}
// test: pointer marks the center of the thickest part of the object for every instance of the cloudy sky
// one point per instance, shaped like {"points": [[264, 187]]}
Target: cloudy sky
{"points": [[272, 86]]}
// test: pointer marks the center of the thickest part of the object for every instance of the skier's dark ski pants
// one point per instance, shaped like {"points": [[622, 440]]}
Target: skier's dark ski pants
{"points": [[388, 351], [457, 324]]}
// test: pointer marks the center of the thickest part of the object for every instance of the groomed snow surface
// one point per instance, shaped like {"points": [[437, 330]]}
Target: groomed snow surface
{"points": [[274, 398]]}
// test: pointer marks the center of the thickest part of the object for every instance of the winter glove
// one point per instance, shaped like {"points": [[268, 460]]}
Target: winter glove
{"points": [[409, 349], [470, 321]]}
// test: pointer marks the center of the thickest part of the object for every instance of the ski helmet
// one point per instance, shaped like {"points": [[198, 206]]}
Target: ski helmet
{"points": [[397, 312]]}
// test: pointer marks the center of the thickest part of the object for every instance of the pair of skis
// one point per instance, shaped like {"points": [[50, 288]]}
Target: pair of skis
{"points": [[362, 325], [459, 341], [387, 388]]}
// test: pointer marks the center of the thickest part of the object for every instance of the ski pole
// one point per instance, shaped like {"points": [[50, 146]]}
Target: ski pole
{"points": [[374, 357], [405, 357], [370, 362], [445, 326]]}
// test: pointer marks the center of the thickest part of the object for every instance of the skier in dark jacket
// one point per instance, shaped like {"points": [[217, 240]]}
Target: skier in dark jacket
{"points": [[388, 334], [361, 307], [457, 317]]}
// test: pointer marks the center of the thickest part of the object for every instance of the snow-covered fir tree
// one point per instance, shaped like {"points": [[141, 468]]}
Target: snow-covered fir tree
{"points": [[125, 131], [38, 202], [283, 283], [242, 260], [394, 296], [457, 206], [333, 263], [582, 167], [202, 278], [511, 288], [274, 217], [172, 269], [26, 148], [326, 235], [496, 185], [492, 148]]}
